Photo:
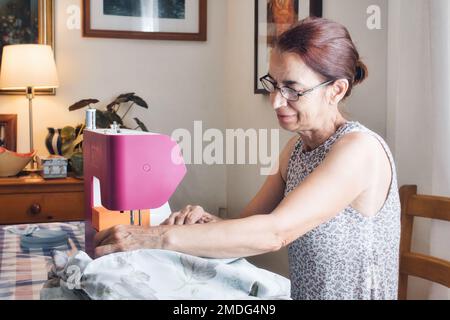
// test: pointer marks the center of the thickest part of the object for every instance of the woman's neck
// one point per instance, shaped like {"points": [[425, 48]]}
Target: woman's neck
{"points": [[317, 136]]}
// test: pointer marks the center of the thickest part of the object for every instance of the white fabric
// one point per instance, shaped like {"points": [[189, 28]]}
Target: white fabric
{"points": [[160, 275]]}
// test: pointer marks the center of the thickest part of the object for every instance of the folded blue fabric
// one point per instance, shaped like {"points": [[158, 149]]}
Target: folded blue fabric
{"points": [[45, 239]]}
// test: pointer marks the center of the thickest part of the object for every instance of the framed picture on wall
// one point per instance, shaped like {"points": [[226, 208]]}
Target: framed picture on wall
{"points": [[8, 131], [272, 18], [146, 19], [26, 22]]}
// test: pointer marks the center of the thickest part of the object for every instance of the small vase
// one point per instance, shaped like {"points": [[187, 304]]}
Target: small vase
{"points": [[53, 141]]}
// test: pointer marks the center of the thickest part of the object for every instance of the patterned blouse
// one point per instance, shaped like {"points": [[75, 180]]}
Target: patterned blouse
{"points": [[350, 256]]}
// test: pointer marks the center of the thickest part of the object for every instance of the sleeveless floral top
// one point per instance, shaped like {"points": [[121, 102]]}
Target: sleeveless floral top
{"points": [[350, 256]]}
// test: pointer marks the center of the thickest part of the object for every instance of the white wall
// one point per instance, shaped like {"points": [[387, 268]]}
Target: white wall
{"points": [[368, 101], [246, 110], [181, 81], [419, 117]]}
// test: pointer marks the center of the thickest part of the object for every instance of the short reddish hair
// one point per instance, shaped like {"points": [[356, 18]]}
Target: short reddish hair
{"points": [[327, 48]]}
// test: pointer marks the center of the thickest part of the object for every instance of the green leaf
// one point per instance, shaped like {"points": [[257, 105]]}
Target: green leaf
{"points": [[78, 141], [141, 125], [82, 103], [139, 101], [102, 120], [125, 97], [67, 149], [120, 99], [67, 134], [110, 107], [80, 129], [113, 116]]}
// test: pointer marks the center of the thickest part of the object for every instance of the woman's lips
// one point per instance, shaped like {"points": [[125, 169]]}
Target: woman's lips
{"points": [[287, 117]]}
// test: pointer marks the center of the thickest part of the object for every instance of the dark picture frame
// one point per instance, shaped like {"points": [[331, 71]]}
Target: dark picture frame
{"points": [[8, 131], [125, 14], [268, 26], [39, 29]]}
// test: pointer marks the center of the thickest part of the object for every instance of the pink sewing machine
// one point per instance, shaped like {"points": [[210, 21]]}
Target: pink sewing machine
{"points": [[137, 171]]}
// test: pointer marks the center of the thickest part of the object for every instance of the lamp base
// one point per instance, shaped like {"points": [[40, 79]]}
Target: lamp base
{"points": [[32, 169]]}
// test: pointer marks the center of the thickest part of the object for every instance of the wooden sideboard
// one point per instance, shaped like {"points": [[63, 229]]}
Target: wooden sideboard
{"points": [[35, 200]]}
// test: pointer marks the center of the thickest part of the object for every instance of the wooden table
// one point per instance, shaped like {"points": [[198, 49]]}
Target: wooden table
{"points": [[35, 200]]}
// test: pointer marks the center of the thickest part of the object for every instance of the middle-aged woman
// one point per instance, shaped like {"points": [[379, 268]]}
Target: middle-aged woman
{"points": [[333, 200]]}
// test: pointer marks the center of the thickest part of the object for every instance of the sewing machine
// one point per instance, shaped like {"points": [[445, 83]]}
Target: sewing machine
{"points": [[133, 171]]}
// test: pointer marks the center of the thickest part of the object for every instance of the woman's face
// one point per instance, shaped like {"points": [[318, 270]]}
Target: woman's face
{"points": [[288, 69]]}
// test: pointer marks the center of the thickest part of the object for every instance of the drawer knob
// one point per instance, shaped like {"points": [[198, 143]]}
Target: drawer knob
{"points": [[35, 208]]}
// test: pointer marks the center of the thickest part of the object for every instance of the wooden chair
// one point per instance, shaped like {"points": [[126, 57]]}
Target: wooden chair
{"points": [[415, 264]]}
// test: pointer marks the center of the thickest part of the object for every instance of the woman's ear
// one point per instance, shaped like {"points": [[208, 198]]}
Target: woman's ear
{"points": [[337, 91]]}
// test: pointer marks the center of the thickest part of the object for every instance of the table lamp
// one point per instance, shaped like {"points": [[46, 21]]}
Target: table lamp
{"points": [[28, 67]]}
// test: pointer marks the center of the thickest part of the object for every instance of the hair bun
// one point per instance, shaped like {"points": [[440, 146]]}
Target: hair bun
{"points": [[361, 73]]}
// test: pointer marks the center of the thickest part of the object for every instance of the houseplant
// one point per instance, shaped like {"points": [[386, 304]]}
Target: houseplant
{"points": [[72, 138]]}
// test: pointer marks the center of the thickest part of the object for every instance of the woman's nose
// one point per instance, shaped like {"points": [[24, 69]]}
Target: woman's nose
{"points": [[278, 101]]}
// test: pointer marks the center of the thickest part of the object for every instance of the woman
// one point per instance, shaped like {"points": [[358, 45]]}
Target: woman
{"points": [[333, 200]]}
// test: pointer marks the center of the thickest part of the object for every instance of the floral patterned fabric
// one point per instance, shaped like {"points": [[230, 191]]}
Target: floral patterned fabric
{"points": [[157, 274]]}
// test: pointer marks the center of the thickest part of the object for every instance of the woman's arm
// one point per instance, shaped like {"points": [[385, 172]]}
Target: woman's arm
{"points": [[224, 239], [338, 181]]}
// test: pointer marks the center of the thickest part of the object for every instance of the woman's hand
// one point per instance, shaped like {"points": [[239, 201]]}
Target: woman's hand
{"points": [[190, 215], [123, 238]]}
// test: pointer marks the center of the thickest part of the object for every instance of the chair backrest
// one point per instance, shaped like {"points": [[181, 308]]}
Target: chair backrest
{"points": [[415, 264]]}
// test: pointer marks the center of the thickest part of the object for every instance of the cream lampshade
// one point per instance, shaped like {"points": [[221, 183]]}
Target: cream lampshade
{"points": [[28, 67]]}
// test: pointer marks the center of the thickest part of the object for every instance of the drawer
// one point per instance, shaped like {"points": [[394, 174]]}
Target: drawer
{"points": [[41, 207]]}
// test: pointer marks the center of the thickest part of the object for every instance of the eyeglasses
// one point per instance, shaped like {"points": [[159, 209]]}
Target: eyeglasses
{"points": [[288, 93]]}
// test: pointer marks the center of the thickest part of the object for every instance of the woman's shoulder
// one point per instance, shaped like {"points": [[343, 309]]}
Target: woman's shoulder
{"points": [[362, 146], [358, 139], [357, 127], [355, 132]]}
